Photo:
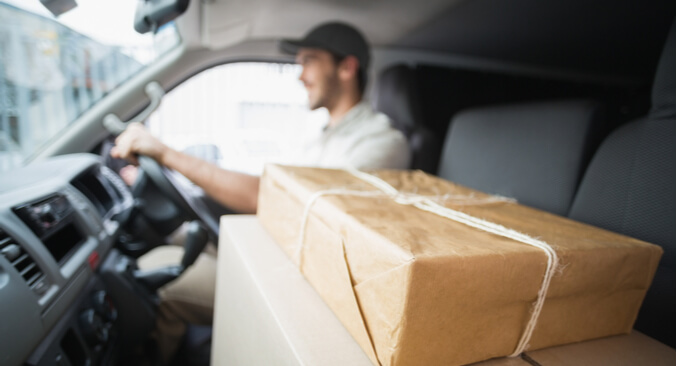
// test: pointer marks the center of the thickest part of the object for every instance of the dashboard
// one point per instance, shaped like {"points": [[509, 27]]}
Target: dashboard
{"points": [[59, 220]]}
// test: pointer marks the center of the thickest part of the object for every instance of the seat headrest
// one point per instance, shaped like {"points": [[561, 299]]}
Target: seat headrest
{"points": [[663, 92], [396, 96], [534, 152]]}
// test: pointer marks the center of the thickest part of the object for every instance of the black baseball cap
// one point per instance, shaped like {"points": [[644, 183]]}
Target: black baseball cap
{"points": [[338, 38]]}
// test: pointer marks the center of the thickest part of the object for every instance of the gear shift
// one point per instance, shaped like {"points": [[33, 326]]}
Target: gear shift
{"points": [[196, 240]]}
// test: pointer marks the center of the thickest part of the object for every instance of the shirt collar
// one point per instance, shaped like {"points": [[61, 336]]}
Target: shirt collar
{"points": [[353, 115]]}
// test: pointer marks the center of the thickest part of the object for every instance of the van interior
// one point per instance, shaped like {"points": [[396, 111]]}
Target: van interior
{"points": [[566, 106]]}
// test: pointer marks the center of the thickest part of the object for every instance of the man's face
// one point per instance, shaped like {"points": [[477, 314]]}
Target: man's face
{"points": [[319, 76]]}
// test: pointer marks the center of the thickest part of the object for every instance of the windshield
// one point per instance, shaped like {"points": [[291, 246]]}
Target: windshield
{"points": [[55, 69]]}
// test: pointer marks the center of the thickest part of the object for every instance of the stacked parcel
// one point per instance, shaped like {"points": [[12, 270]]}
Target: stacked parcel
{"points": [[416, 288]]}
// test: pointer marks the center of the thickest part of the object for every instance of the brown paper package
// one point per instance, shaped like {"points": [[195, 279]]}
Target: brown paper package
{"points": [[414, 288]]}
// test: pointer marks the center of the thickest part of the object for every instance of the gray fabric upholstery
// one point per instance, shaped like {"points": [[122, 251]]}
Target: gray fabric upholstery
{"points": [[397, 97], [535, 153], [629, 188], [630, 185]]}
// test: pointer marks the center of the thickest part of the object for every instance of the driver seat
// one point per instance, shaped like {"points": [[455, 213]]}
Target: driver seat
{"points": [[397, 97]]}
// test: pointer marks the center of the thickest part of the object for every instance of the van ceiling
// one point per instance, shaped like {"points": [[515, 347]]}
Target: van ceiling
{"points": [[605, 37], [382, 21], [608, 37]]}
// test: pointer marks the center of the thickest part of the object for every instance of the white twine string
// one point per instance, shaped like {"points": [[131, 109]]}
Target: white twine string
{"points": [[309, 204], [426, 204], [399, 197]]}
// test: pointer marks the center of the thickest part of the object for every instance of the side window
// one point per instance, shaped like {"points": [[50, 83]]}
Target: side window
{"points": [[239, 115]]}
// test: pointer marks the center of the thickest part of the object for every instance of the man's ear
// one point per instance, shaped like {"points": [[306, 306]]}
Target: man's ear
{"points": [[348, 68]]}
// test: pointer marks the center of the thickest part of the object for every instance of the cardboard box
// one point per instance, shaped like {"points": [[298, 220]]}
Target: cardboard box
{"points": [[256, 321], [625, 350], [414, 288]]}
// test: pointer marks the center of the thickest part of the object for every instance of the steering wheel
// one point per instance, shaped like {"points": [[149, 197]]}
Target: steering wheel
{"points": [[163, 178], [169, 184]]}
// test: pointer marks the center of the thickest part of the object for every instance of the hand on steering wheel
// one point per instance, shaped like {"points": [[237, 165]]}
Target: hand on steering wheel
{"points": [[137, 145], [177, 191]]}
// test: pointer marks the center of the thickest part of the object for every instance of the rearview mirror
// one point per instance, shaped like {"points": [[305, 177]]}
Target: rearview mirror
{"points": [[152, 14]]}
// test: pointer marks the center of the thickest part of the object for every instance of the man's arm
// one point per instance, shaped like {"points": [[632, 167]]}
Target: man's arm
{"points": [[237, 191]]}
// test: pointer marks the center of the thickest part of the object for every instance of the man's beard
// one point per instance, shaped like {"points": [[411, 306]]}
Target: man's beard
{"points": [[328, 95]]}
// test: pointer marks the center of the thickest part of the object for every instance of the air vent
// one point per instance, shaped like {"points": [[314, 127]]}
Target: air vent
{"points": [[22, 262]]}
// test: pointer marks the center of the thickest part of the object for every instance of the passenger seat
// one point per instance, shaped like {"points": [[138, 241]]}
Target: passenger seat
{"points": [[629, 188], [533, 152], [397, 97]]}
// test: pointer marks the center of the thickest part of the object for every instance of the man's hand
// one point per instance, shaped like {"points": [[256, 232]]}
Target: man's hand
{"points": [[129, 174], [240, 193], [137, 140]]}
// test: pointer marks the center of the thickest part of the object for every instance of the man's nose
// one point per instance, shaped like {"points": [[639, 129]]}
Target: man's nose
{"points": [[302, 76]]}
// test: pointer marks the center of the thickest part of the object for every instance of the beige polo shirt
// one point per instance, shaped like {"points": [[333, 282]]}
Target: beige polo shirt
{"points": [[364, 139]]}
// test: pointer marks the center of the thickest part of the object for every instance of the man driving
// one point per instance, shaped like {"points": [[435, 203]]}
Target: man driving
{"points": [[335, 59]]}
